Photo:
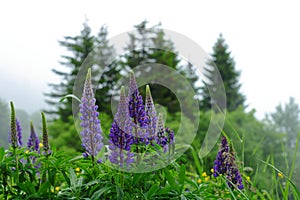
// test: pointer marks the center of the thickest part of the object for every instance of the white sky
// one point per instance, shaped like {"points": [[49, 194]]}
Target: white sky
{"points": [[264, 37]]}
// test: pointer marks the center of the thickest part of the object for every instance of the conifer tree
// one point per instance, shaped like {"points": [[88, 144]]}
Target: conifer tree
{"points": [[79, 48], [150, 46], [222, 61]]}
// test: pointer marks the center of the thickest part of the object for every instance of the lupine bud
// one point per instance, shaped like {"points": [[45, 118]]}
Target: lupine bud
{"points": [[13, 127], [45, 143]]}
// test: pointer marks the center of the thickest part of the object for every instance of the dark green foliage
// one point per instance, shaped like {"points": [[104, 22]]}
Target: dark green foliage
{"points": [[222, 60]]}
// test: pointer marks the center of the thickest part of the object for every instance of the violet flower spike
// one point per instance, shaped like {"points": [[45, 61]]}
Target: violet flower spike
{"points": [[91, 133], [152, 118], [121, 137], [19, 133], [225, 164], [161, 139], [33, 140], [136, 105]]}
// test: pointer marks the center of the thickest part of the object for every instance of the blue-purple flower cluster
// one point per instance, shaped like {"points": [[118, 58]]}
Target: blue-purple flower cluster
{"points": [[121, 137], [33, 140], [135, 105], [19, 133], [225, 165], [91, 133], [136, 124]]}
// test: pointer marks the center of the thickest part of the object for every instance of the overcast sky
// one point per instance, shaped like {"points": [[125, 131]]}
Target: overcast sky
{"points": [[263, 36]]}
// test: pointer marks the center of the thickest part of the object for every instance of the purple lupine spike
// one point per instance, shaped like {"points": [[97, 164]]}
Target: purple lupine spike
{"points": [[220, 166], [19, 133], [33, 140], [136, 105], [152, 118], [161, 139], [91, 134], [225, 164], [171, 139], [121, 137]]}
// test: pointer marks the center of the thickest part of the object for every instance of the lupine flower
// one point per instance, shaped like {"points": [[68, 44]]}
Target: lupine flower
{"points": [[45, 143], [13, 137], [151, 113], [225, 164], [33, 140], [91, 133], [136, 106], [121, 137], [220, 166], [171, 139], [19, 133], [161, 139]]}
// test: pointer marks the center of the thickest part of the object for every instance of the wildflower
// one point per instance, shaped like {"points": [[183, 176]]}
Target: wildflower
{"points": [[206, 178], [91, 133], [212, 170], [170, 138], [19, 133], [161, 139], [41, 145], [33, 141], [45, 143], [280, 175], [26, 152], [121, 137], [13, 127], [57, 188], [151, 113], [248, 178], [199, 181], [225, 164], [204, 174], [77, 169], [136, 106]]}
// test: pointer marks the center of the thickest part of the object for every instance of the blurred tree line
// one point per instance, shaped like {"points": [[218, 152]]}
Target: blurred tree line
{"points": [[253, 139]]}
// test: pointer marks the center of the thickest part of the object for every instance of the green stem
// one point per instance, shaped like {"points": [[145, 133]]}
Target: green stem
{"points": [[17, 166]]}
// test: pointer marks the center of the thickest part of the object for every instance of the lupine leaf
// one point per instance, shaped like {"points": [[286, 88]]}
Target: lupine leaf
{"points": [[152, 191]]}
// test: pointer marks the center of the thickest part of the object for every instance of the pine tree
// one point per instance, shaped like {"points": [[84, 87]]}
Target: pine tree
{"points": [[222, 61], [79, 48], [150, 46]]}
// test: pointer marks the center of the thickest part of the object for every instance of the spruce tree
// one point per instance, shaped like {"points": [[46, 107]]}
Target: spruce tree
{"points": [[150, 46], [222, 61], [79, 48]]}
